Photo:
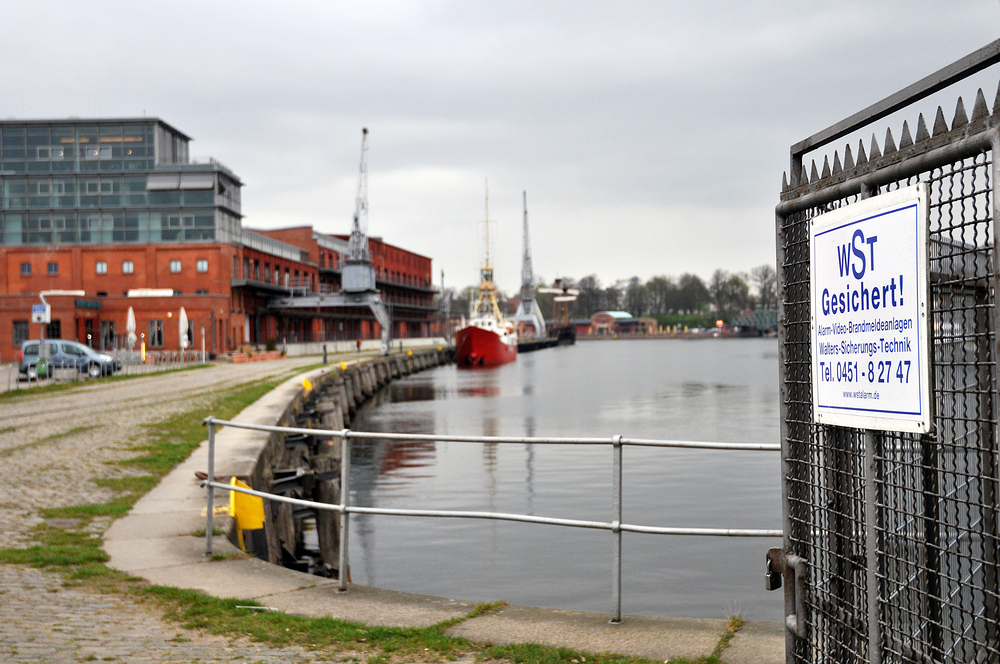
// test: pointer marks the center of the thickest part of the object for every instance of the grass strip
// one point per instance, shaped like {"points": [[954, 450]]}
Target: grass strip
{"points": [[734, 625], [75, 431], [194, 610], [533, 653], [174, 439]]}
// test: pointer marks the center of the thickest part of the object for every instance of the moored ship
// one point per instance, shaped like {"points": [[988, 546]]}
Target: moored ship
{"points": [[485, 340], [488, 337]]}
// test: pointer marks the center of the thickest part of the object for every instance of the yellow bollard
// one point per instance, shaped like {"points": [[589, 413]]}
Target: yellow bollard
{"points": [[248, 511]]}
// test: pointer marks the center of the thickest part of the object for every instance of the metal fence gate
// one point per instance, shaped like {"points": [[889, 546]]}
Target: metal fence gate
{"points": [[890, 540]]}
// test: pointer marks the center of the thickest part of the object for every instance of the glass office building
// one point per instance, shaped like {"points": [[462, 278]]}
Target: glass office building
{"points": [[110, 181]]}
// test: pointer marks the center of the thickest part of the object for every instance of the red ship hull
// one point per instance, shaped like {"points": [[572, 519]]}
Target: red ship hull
{"points": [[475, 346]]}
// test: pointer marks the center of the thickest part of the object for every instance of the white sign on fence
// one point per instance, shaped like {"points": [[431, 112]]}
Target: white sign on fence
{"points": [[870, 288]]}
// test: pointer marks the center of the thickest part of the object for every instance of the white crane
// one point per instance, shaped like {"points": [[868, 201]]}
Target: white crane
{"points": [[528, 311]]}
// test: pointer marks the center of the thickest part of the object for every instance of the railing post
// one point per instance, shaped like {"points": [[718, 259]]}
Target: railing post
{"points": [[210, 495], [616, 505], [345, 494]]}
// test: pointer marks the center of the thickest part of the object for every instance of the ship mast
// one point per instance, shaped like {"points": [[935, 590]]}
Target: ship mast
{"points": [[486, 274], [486, 303]]}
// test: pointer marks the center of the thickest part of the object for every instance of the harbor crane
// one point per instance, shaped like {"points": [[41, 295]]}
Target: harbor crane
{"points": [[358, 276], [528, 312]]}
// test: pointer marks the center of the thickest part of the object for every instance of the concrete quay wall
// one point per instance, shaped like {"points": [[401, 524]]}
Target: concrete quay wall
{"points": [[367, 345], [331, 403]]}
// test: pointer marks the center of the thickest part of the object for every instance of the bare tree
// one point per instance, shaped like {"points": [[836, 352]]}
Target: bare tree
{"points": [[591, 298], [717, 289], [692, 293], [766, 282], [635, 297], [662, 295]]}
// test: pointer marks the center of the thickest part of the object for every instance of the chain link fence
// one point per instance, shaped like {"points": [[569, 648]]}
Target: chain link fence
{"points": [[898, 531]]}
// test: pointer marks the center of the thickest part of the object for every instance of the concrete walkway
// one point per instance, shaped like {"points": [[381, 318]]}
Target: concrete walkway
{"points": [[156, 541]]}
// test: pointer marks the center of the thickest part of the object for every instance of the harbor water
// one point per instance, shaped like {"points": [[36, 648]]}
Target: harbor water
{"points": [[711, 389]]}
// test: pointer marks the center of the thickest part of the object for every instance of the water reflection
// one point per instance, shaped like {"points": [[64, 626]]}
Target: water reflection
{"points": [[672, 389], [380, 468], [480, 390], [406, 391]]}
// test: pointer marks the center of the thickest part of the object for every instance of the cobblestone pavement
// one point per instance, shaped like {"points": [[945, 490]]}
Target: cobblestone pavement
{"points": [[52, 447], [40, 621]]}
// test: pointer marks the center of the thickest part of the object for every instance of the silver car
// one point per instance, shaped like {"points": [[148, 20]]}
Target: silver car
{"points": [[61, 354]]}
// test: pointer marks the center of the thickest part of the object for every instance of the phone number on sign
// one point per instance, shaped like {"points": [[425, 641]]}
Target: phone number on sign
{"points": [[883, 371]]}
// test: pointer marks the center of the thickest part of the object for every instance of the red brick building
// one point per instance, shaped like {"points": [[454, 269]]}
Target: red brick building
{"points": [[115, 215]]}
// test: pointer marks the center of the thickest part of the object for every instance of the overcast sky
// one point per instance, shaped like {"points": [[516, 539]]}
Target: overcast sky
{"points": [[650, 136]]}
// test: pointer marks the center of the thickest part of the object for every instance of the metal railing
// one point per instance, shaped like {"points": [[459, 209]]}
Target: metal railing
{"points": [[12, 379], [616, 526]]}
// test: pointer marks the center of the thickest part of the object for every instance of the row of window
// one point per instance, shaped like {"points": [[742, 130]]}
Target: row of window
{"points": [[110, 226], [15, 135], [115, 165], [128, 267], [252, 271], [102, 194], [76, 151]]}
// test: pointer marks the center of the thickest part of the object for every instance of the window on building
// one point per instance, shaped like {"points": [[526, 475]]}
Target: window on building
{"points": [[53, 268], [101, 267], [54, 330], [20, 332], [25, 269], [201, 292], [175, 266], [202, 265], [155, 335], [128, 267]]}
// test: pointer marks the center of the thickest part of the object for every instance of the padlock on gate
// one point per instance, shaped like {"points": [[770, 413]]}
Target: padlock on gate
{"points": [[772, 579]]}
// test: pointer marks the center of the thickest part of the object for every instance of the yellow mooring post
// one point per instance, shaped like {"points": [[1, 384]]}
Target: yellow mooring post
{"points": [[248, 511]]}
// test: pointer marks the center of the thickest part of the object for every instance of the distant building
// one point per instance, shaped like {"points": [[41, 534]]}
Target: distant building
{"points": [[611, 323], [116, 208], [757, 322]]}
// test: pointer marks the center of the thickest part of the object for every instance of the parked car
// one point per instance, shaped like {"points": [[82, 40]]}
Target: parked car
{"points": [[61, 354]]}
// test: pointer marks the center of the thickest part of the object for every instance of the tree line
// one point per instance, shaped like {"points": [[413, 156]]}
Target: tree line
{"points": [[683, 300]]}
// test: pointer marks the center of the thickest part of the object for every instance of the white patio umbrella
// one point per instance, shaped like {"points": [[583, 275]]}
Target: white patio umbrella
{"points": [[183, 324], [130, 328]]}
